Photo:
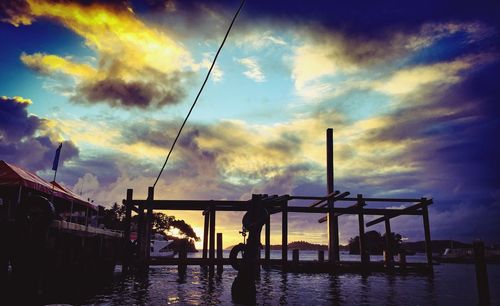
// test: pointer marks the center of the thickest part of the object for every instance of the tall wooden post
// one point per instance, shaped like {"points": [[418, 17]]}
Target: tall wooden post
{"points": [[361, 223], [212, 235], [149, 221], [284, 233], [427, 233], [206, 214], [141, 243], [333, 223], [388, 250], [219, 253], [268, 239], [126, 231], [483, 288]]}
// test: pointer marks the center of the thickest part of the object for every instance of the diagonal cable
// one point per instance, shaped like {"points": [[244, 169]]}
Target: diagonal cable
{"points": [[199, 92]]}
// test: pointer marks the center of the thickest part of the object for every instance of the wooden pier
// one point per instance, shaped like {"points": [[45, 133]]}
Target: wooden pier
{"points": [[329, 205]]}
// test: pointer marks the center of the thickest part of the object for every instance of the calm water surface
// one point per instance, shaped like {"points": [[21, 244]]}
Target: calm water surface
{"points": [[452, 284]]}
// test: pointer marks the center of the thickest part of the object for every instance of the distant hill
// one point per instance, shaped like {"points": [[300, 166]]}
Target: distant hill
{"points": [[438, 246], [300, 245]]}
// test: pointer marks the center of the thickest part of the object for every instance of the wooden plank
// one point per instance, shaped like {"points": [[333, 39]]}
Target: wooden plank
{"points": [[404, 211]]}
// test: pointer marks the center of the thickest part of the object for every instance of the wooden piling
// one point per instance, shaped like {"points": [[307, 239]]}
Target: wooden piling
{"points": [[206, 214], [149, 222], [284, 232], [333, 226], [268, 239], [427, 233], [402, 259], [141, 243], [389, 260], [483, 290], [126, 230], [295, 256], [212, 235], [182, 266], [219, 253], [361, 224], [321, 255]]}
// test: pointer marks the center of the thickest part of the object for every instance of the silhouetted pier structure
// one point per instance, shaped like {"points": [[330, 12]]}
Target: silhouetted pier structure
{"points": [[360, 206]]}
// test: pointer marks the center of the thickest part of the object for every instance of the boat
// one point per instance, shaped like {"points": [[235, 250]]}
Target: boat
{"points": [[466, 255], [160, 247]]}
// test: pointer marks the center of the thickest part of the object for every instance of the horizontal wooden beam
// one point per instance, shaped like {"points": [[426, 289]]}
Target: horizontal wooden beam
{"points": [[404, 211], [328, 197], [350, 210], [338, 198], [323, 219], [387, 200]]}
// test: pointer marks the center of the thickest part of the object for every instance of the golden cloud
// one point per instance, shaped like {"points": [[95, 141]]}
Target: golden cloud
{"points": [[138, 65]]}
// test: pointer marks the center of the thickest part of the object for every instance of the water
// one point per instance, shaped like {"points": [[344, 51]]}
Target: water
{"points": [[452, 284]]}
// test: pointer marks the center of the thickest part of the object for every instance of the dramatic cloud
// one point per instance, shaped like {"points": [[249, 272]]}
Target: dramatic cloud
{"points": [[27, 140], [138, 66]]}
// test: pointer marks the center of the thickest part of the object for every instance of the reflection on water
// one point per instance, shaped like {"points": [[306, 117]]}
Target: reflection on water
{"points": [[450, 285]]}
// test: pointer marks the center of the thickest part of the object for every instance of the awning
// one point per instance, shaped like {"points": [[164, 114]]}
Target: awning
{"points": [[11, 175]]}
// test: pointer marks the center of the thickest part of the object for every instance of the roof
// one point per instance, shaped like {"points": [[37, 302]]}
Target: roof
{"points": [[11, 175]]}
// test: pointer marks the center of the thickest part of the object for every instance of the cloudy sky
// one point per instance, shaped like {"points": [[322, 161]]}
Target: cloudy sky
{"points": [[411, 91]]}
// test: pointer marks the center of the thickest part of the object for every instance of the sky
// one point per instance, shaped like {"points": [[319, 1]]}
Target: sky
{"points": [[410, 89]]}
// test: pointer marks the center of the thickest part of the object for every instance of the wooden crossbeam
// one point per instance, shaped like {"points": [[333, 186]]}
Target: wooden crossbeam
{"points": [[399, 212], [323, 219], [328, 197], [350, 210], [337, 198], [386, 200]]}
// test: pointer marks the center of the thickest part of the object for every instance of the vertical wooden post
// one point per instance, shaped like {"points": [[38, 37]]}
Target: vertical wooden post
{"points": [[483, 289], [212, 235], [149, 221], [321, 255], [427, 234], [268, 239], [333, 225], [128, 214], [206, 213], [126, 231], [182, 265], [219, 253], [361, 224], [388, 251], [284, 233], [295, 256], [141, 243]]}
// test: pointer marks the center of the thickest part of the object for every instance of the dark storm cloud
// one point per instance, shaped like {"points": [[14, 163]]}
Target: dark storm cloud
{"points": [[455, 152], [25, 140], [365, 32], [117, 92]]}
